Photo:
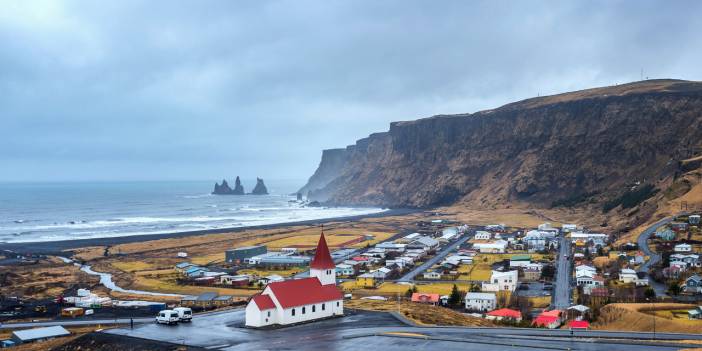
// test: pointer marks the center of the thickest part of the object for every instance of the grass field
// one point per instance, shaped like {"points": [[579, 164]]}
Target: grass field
{"points": [[420, 313], [639, 317], [265, 272], [392, 289]]}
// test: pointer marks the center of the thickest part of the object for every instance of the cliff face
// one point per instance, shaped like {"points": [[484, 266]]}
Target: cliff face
{"points": [[260, 188], [330, 167], [588, 146]]}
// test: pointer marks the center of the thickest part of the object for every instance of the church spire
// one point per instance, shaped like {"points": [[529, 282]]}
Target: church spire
{"points": [[322, 258]]}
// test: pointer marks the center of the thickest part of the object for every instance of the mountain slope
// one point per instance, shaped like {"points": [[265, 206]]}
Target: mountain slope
{"points": [[585, 147]]}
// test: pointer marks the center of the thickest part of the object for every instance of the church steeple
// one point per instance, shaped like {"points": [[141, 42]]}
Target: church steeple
{"points": [[322, 265]]}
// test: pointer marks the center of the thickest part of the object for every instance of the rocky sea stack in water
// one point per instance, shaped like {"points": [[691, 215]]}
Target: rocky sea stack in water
{"points": [[260, 188], [224, 189]]}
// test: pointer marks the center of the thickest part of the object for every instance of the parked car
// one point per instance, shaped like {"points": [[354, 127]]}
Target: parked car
{"points": [[185, 314], [167, 317]]}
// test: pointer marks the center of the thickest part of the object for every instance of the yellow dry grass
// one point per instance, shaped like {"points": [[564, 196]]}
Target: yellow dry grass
{"points": [[639, 317], [422, 314], [392, 289], [265, 272], [540, 301]]}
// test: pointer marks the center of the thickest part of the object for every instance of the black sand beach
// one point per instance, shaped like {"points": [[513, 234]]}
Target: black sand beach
{"points": [[60, 247]]}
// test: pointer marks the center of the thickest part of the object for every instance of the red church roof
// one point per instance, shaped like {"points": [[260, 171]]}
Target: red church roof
{"points": [[298, 292], [264, 302], [322, 258]]}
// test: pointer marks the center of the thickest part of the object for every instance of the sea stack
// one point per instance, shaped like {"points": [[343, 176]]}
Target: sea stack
{"points": [[224, 189], [260, 188]]}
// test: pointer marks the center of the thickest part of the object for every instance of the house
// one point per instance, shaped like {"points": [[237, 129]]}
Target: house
{"points": [[299, 300], [426, 298], [548, 319], [434, 275], [694, 219], [235, 280], [498, 246], [695, 313], [223, 300], [270, 279], [423, 242], [343, 269], [504, 314], [240, 254], [578, 312], [205, 299], [482, 235], [502, 281], [188, 301], [480, 302], [678, 226], [688, 260], [666, 235], [627, 275], [693, 285], [367, 280], [682, 248], [531, 274], [194, 272], [567, 228], [38, 334], [183, 266], [391, 246], [519, 261]]}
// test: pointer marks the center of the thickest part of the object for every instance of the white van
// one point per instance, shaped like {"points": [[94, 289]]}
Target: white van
{"points": [[185, 314], [167, 317]]}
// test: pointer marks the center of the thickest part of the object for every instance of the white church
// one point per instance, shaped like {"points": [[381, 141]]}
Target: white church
{"points": [[299, 300]]}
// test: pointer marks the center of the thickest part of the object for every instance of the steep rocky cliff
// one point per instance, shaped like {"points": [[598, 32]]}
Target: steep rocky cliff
{"points": [[590, 146], [260, 188]]}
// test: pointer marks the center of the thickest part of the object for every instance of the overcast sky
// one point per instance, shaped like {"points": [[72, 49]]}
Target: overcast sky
{"points": [[128, 90]]}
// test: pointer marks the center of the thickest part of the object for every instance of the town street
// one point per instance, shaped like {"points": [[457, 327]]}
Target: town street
{"points": [[653, 258], [408, 277], [562, 289]]}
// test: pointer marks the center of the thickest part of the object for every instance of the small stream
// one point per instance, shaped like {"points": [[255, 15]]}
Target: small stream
{"points": [[106, 280]]}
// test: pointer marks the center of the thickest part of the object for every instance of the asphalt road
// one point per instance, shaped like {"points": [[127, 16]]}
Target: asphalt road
{"points": [[409, 276], [562, 287], [653, 258], [375, 330]]}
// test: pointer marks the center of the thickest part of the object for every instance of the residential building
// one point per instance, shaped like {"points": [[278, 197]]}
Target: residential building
{"points": [[38, 334], [627, 275], [480, 302], [426, 298], [502, 281], [695, 313], [519, 261], [482, 235], [504, 314], [343, 269], [531, 274], [498, 246], [693, 285], [433, 275], [682, 248], [300, 300]]}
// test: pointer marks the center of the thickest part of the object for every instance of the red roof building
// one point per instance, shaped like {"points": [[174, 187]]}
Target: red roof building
{"points": [[506, 313], [425, 298], [322, 259], [550, 322], [264, 302], [298, 292], [579, 325]]}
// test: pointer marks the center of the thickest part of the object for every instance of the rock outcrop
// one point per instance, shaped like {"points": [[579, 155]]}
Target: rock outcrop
{"points": [[224, 189], [260, 188], [587, 146]]}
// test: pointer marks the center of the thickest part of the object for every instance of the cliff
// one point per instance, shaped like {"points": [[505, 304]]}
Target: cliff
{"points": [[260, 188], [581, 148]]}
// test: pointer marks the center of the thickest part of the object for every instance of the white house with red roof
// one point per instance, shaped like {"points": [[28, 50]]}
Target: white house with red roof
{"points": [[299, 300]]}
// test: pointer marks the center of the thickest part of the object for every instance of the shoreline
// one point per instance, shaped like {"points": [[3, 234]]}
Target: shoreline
{"points": [[60, 247]]}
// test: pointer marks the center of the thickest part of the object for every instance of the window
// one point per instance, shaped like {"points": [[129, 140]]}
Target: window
{"points": [[322, 307], [303, 310], [314, 308], [337, 304], [269, 313], [293, 311]]}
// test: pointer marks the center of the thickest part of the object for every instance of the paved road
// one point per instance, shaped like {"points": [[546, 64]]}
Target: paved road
{"points": [[408, 277], [73, 323], [653, 258], [562, 287], [223, 331]]}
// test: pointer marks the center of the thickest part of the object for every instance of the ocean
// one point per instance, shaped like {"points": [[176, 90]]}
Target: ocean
{"points": [[34, 212]]}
